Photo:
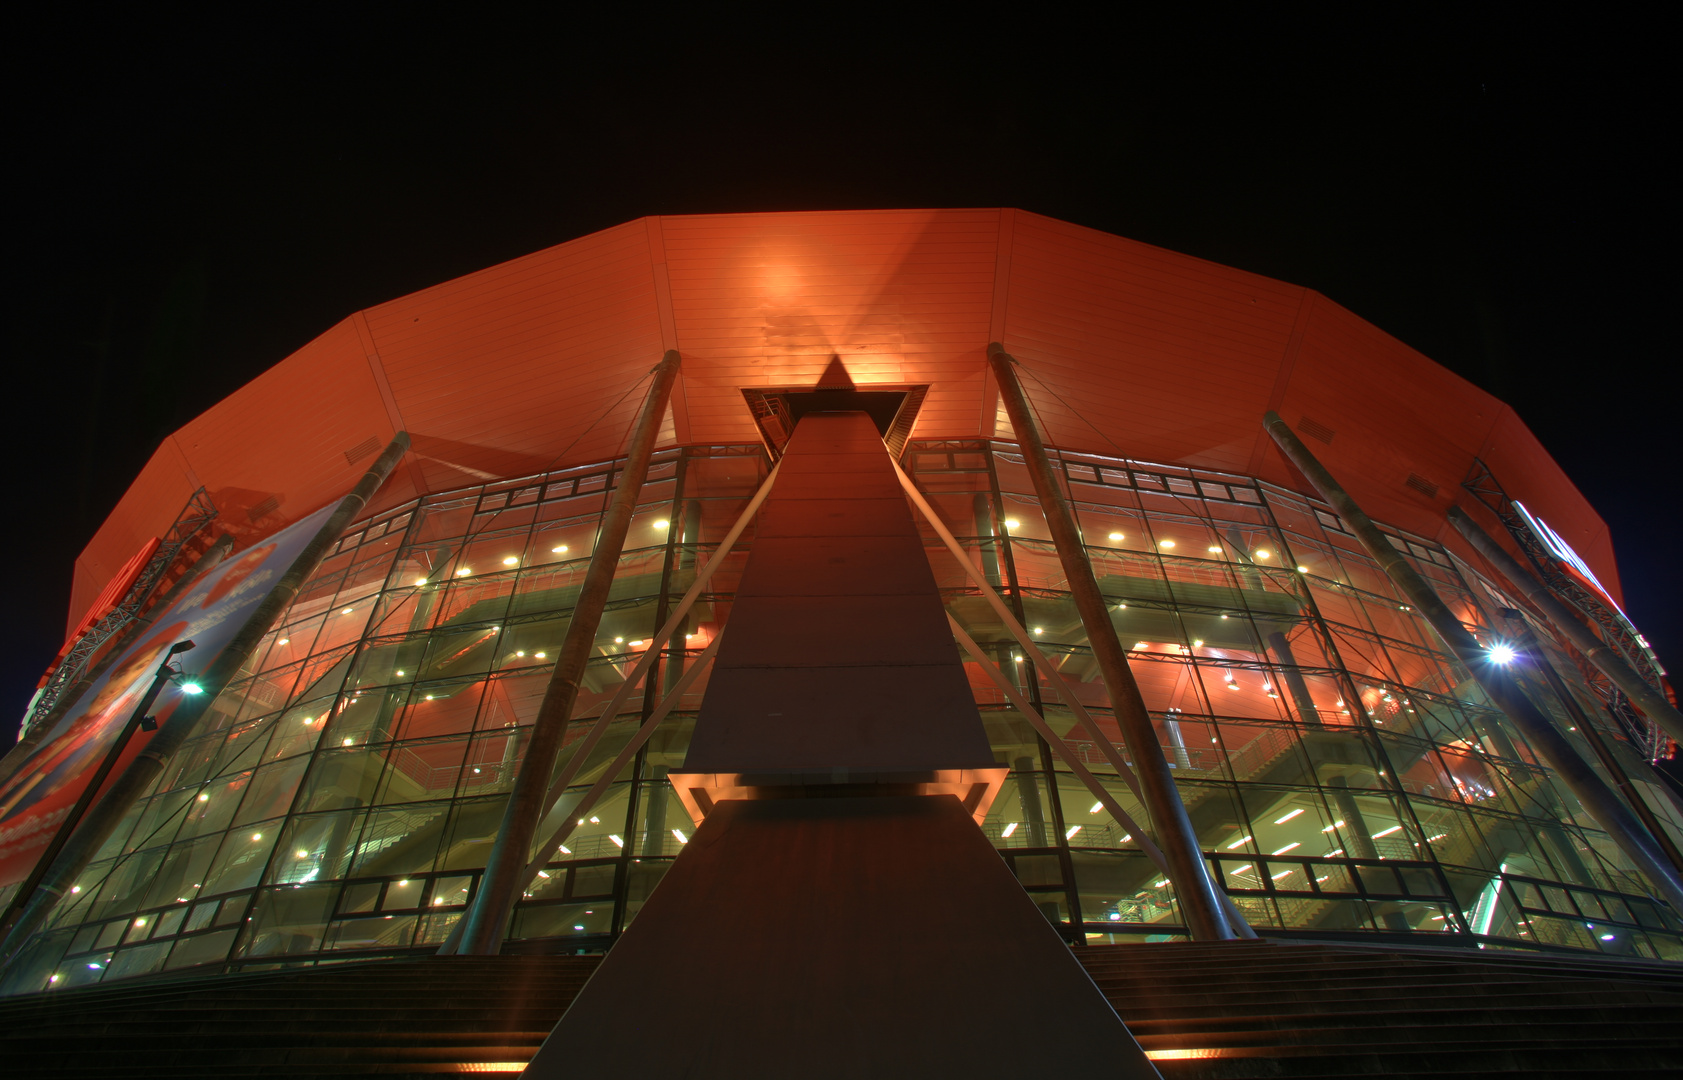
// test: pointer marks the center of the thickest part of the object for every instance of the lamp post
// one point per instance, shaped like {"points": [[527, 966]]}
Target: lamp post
{"points": [[138, 720]]}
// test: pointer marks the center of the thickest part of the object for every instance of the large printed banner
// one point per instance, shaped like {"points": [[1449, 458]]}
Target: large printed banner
{"points": [[42, 792]]}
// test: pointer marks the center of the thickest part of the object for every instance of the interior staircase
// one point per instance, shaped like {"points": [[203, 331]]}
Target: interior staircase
{"points": [[1242, 1009]]}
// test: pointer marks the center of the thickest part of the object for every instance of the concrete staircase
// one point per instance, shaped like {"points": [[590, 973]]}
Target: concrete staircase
{"points": [[397, 1018], [1252, 1009], [1259, 1009]]}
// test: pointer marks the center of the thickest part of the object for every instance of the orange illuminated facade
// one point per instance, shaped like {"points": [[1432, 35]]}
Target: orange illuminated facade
{"points": [[1343, 774], [518, 368]]}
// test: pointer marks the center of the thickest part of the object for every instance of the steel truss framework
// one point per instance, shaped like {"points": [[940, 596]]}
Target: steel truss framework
{"points": [[194, 517], [1610, 626]]}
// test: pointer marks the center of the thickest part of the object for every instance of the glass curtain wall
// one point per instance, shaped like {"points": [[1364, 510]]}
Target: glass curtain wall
{"points": [[1344, 775], [340, 797]]}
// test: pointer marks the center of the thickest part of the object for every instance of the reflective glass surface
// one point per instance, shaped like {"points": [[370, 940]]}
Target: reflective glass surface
{"points": [[1343, 773]]}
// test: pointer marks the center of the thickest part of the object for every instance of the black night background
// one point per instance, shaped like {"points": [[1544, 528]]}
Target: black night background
{"points": [[196, 194]]}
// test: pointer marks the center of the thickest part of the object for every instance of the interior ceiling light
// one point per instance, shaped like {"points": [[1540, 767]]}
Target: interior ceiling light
{"points": [[1165, 544], [511, 561], [1116, 536], [1012, 523], [559, 548], [1264, 553]]}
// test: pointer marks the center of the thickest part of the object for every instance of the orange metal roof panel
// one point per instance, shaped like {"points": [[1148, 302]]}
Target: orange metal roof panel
{"points": [[767, 299], [290, 434], [1528, 474], [534, 363], [147, 509], [1394, 414], [501, 371], [1173, 358]]}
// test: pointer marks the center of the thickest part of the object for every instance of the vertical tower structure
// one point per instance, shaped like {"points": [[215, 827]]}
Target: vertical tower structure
{"points": [[837, 773]]}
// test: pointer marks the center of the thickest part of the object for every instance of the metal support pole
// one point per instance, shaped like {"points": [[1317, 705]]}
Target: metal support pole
{"points": [[1645, 697], [1300, 695], [1534, 659], [680, 614], [1082, 773], [982, 504], [1199, 896], [166, 671], [1360, 842], [1602, 804], [141, 773], [671, 701], [498, 889]]}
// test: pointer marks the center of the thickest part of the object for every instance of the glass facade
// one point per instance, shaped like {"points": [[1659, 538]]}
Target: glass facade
{"points": [[1344, 775]]}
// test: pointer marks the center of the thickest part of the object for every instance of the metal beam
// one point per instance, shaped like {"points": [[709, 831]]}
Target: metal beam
{"points": [[1079, 768], [1532, 657], [166, 671], [645, 662], [673, 697], [1606, 657], [141, 773], [1621, 825], [487, 916], [1199, 896]]}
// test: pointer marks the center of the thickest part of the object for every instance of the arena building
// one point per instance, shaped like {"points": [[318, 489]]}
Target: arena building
{"points": [[1325, 764]]}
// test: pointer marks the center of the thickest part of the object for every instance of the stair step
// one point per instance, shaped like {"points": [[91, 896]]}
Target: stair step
{"points": [[1202, 1012]]}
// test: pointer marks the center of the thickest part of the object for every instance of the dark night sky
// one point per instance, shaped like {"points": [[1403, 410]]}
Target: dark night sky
{"points": [[195, 197]]}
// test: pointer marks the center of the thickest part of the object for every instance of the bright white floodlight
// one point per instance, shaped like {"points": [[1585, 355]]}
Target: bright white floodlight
{"points": [[1501, 654]]}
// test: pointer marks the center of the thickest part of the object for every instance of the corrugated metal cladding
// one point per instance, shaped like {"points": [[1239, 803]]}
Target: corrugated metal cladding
{"points": [[1128, 349]]}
